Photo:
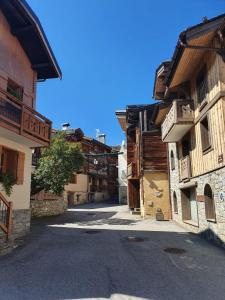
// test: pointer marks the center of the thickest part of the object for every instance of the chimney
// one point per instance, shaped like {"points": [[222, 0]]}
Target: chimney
{"points": [[65, 126], [102, 138]]}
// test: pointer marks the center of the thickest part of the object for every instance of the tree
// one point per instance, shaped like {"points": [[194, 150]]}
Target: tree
{"points": [[56, 165]]}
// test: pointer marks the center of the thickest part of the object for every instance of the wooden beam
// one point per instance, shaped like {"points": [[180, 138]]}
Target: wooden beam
{"points": [[20, 30], [42, 65]]}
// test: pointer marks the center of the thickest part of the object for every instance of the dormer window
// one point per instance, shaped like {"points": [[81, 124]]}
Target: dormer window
{"points": [[15, 90], [202, 85]]}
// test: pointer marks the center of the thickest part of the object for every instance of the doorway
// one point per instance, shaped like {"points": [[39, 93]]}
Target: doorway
{"points": [[189, 205], [134, 193], [70, 199]]}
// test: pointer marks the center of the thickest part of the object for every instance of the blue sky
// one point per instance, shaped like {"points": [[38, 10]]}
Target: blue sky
{"points": [[108, 51]]}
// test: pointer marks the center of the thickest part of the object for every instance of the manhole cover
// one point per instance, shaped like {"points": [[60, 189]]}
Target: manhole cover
{"points": [[92, 231], [175, 250], [135, 239]]}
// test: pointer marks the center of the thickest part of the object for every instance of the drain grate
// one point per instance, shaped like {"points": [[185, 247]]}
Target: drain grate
{"points": [[175, 250], [92, 231], [135, 239]]}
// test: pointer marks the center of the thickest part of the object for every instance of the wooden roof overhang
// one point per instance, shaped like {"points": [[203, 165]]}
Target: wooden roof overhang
{"points": [[161, 114], [121, 117], [27, 28], [159, 84], [184, 58]]}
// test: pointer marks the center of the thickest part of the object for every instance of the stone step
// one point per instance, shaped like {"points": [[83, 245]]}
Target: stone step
{"points": [[136, 211]]}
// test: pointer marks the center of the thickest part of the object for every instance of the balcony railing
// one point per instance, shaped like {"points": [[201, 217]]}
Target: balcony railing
{"points": [[185, 168], [131, 170], [178, 121], [23, 120]]}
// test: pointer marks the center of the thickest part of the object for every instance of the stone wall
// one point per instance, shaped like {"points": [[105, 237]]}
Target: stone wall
{"points": [[216, 179], [20, 228], [46, 208]]}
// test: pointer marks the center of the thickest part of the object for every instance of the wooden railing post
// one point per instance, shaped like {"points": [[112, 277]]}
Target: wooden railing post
{"points": [[9, 218], [6, 221]]}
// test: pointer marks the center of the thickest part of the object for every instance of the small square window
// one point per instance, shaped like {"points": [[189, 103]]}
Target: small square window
{"points": [[74, 179], [15, 90]]}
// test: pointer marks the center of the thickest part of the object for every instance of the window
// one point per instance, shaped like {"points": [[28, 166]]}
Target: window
{"points": [[15, 90], [12, 163], [202, 85], [205, 134], [74, 179], [209, 203], [172, 160], [175, 207]]}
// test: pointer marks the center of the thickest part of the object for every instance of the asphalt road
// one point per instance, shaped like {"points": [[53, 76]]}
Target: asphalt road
{"points": [[91, 252]]}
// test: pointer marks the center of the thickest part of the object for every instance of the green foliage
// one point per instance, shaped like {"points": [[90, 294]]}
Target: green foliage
{"points": [[56, 165], [7, 182]]}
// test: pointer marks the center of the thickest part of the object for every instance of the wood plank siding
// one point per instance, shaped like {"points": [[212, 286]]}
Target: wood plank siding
{"points": [[154, 152], [213, 107]]}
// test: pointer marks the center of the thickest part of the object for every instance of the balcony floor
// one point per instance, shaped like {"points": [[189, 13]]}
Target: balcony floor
{"points": [[17, 138], [177, 132]]}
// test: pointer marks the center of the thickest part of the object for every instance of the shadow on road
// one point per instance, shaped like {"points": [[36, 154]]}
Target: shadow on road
{"points": [[64, 262]]}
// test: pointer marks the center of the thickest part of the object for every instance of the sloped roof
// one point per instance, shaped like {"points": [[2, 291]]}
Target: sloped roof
{"points": [[26, 26], [200, 35]]}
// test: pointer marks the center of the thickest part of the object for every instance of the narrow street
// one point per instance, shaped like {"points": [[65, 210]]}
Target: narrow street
{"points": [[91, 252]]}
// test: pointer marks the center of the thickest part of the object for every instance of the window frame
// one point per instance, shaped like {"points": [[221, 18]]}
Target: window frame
{"points": [[202, 79], [20, 164], [205, 148], [12, 90], [172, 160], [207, 210]]}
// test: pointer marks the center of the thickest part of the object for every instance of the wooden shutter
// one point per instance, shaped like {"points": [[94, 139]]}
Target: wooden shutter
{"points": [[205, 135], [20, 168]]}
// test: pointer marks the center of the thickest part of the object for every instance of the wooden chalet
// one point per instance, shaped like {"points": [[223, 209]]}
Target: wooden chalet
{"points": [[26, 58], [146, 161], [97, 179], [193, 84]]}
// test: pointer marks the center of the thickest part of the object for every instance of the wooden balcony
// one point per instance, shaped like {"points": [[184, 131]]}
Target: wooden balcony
{"points": [[132, 170], [185, 168], [178, 121], [24, 121]]}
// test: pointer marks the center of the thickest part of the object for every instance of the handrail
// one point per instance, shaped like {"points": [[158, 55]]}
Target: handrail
{"points": [[5, 215]]}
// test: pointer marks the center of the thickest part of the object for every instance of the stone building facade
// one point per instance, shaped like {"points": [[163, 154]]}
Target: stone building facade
{"points": [[214, 229], [192, 84]]}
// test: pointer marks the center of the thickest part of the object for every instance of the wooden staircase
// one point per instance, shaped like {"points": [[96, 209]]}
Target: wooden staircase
{"points": [[5, 215]]}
